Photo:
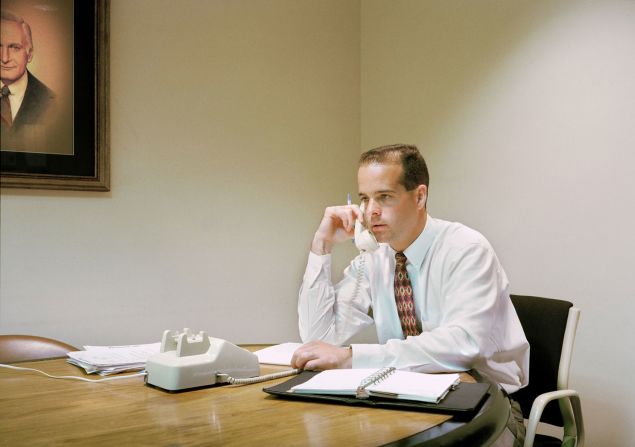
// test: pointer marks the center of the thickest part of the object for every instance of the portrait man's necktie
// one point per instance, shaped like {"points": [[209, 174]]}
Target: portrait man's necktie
{"points": [[405, 298], [6, 106]]}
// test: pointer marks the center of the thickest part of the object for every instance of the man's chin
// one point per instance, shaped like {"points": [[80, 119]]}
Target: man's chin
{"points": [[8, 76], [381, 238]]}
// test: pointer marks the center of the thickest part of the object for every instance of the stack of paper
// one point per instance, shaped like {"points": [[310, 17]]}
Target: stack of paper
{"points": [[277, 354], [105, 360]]}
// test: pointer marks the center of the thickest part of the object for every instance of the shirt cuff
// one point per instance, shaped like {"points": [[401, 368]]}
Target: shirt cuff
{"points": [[368, 356], [317, 265]]}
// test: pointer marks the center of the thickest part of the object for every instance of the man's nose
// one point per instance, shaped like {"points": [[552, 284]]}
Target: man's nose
{"points": [[372, 208], [5, 53]]}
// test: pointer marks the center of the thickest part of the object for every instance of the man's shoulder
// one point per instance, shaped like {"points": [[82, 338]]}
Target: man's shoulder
{"points": [[458, 235], [38, 88], [38, 103]]}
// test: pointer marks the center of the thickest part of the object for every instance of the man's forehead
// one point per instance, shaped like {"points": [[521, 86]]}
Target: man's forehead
{"points": [[381, 169], [12, 29], [375, 177]]}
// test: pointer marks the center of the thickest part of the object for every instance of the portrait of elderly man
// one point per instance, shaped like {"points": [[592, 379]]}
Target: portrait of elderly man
{"points": [[27, 103]]}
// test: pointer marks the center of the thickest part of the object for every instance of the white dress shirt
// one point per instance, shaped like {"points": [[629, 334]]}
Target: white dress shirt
{"points": [[461, 298], [17, 89]]}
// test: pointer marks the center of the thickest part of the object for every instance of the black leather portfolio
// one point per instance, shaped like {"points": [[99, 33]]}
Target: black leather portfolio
{"points": [[463, 402]]}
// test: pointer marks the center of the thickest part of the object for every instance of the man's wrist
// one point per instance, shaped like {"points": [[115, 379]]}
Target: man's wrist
{"points": [[320, 246], [348, 359]]}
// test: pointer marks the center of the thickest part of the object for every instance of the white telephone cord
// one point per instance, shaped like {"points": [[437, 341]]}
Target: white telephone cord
{"points": [[107, 379], [360, 275], [224, 378]]}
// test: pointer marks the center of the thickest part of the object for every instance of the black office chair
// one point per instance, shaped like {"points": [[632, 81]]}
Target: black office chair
{"points": [[22, 348], [550, 327]]}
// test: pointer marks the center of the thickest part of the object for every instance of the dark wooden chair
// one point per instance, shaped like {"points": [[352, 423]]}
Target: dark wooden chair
{"points": [[23, 348]]}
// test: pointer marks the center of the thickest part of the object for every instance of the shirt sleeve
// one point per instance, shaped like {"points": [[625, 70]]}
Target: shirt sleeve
{"points": [[329, 313], [471, 285]]}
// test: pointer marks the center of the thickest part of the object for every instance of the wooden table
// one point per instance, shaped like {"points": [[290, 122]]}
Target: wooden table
{"points": [[36, 410]]}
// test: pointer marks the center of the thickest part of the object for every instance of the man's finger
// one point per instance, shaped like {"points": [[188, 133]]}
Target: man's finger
{"points": [[300, 357]]}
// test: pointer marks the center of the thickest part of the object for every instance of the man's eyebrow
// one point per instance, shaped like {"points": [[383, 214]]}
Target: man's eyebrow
{"points": [[381, 191]]}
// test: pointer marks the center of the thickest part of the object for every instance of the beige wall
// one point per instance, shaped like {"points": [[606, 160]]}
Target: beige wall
{"points": [[235, 122], [525, 111]]}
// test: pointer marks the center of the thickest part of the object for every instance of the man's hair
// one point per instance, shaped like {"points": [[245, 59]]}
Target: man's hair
{"points": [[26, 29], [415, 170]]}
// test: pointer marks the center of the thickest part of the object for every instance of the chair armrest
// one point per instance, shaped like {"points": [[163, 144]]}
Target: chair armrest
{"points": [[538, 406]]}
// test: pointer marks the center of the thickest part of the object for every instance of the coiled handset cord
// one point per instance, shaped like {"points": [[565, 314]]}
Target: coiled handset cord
{"points": [[360, 275], [225, 378]]}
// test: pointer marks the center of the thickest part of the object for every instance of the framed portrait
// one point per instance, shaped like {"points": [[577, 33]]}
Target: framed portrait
{"points": [[55, 94]]}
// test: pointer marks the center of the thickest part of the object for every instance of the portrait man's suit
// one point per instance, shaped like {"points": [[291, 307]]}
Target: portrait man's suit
{"points": [[29, 124]]}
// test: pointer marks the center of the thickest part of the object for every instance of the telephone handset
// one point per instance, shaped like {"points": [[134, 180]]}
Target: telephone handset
{"points": [[364, 239]]}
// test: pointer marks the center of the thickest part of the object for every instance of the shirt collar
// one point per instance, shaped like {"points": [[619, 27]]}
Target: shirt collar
{"points": [[417, 251], [18, 87]]}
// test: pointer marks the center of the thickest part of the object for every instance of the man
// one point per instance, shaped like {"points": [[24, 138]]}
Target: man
{"points": [[444, 272], [26, 101]]}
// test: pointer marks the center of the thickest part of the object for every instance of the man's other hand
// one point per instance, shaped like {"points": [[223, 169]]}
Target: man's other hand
{"points": [[317, 355]]}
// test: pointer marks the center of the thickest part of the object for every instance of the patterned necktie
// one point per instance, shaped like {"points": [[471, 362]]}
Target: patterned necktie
{"points": [[404, 298], [5, 106]]}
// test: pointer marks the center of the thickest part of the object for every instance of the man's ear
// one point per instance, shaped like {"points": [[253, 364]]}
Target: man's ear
{"points": [[29, 56], [422, 196]]}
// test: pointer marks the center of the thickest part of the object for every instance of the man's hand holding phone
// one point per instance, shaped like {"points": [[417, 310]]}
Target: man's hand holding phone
{"points": [[337, 225]]}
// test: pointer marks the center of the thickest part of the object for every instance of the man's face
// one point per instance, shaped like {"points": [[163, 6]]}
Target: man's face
{"points": [[394, 215], [15, 50]]}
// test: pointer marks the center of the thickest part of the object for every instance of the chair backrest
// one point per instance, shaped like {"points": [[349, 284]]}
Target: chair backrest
{"points": [[22, 348], [544, 321]]}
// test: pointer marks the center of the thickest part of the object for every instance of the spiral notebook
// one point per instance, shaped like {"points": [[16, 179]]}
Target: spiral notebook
{"points": [[462, 401], [386, 382]]}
